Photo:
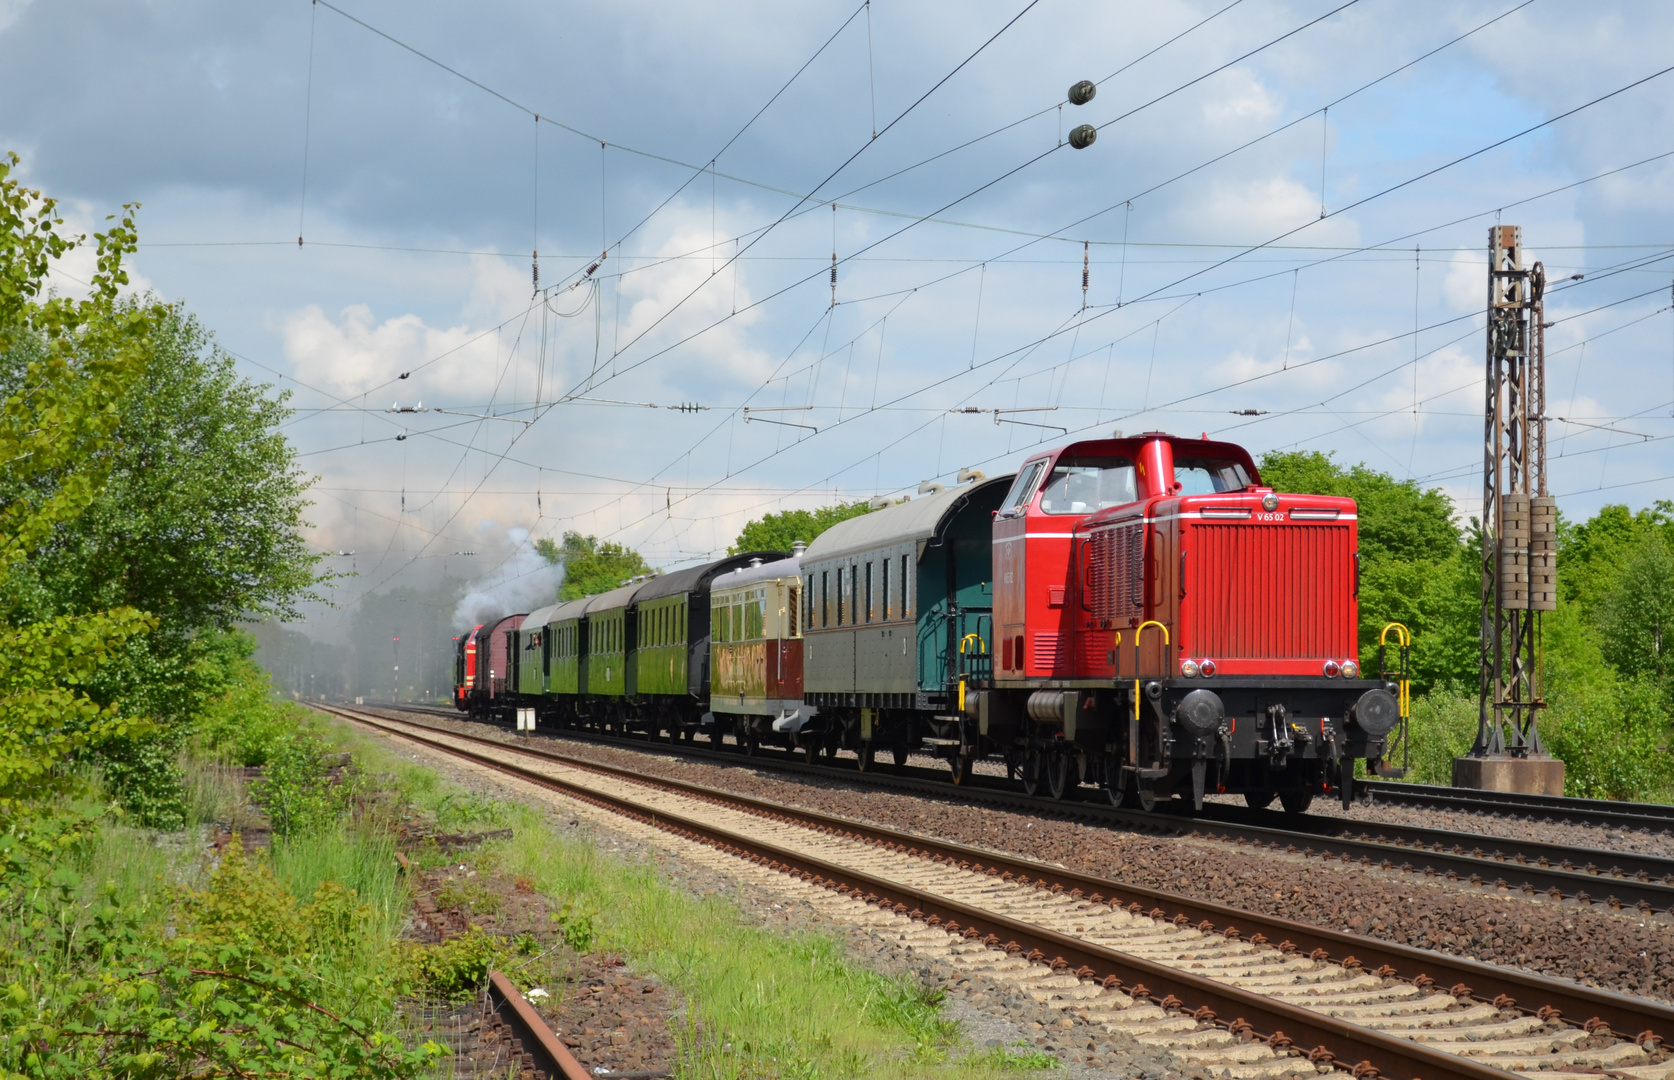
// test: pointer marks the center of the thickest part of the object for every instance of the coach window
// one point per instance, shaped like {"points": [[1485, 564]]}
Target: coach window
{"points": [[794, 609], [883, 588], [868, 592], [825, 598], [808, 602], [841, 606], [854, 593], [906, 594]]}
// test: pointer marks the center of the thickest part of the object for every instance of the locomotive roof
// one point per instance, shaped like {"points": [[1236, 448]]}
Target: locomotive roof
{"points": [[767, 571], [697, 578], [918, 519], [615, 598]]}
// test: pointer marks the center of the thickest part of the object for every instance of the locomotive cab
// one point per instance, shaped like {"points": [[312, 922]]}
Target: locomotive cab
{"points": [[1165, 624]]}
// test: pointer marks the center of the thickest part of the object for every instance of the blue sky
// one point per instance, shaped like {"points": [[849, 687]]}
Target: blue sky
{"points": [[425, 196]]}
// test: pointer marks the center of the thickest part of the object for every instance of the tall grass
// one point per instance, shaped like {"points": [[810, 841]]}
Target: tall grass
{"points": [[359, 859]]}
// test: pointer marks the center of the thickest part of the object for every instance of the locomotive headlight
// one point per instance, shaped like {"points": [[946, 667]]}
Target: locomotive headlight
{"points": [[1200, 712], [1332, 669], [1376, 713], [1188, 668], [1351, 670], [1207, 668]]}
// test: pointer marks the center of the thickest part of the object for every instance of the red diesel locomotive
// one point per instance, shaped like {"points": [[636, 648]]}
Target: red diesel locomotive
{"points": [[1163, 624]]}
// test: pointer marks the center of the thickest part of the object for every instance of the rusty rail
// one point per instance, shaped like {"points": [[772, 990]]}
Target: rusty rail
{"points": [[543, 1054]]}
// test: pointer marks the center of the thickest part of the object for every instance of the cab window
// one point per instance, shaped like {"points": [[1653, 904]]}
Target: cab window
{"points": [[1085, 485], [1207, 476], [1021, 489]]}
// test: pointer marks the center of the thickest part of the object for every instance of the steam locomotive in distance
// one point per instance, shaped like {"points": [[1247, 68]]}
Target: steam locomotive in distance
{"points": [[1136, 614]]}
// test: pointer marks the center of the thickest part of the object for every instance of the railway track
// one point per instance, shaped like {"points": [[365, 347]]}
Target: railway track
{"points": [[1561, 872], [1557, 808], [1233, 991]]}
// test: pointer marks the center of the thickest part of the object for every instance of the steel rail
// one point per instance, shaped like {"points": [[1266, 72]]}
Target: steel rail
{"points": [[1482, 860], [1631, 815], [543, 1053], [1504, 987]]}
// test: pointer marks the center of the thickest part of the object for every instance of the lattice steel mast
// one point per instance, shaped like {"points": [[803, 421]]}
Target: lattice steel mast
{"points": [[1519, 517]]}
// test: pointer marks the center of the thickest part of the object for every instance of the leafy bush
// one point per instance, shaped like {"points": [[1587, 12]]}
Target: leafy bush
{"points": [[455, 968], [297, 789], [229, 983]]}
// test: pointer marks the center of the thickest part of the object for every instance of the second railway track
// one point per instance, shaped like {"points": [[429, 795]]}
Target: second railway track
{"points": [[1201, 978], [1615, 879]]}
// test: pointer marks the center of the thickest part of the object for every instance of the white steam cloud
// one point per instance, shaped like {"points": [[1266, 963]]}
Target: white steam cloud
{"points": [[523, 583]]}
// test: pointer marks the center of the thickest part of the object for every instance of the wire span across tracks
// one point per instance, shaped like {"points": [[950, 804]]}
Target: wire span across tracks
{"points": [[1521, 1020]]}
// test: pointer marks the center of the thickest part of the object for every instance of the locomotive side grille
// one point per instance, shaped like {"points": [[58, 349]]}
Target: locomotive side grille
{"points": [[1269, 593], [1116, 573], [1046, 648]]}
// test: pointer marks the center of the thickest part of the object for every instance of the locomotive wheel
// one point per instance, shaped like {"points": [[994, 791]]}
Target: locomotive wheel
{"points": [[748, 744], [1115, 785], [1060, 775], [1296, 800], [1031, 771], [811, 751], [865, 757], [1147, 798], [1259, 800], [960, 767], [898, 753]]}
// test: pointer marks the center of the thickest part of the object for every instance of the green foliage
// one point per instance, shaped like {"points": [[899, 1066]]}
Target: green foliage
{"points": [[236, 981], [58, 421], [1018, 1057], [578, 925], [1635, 611], [242, 724], [467, 895], [778, 531], [465, 809], [297, 789], [1443, 727], [591, 566], [455, 968]]}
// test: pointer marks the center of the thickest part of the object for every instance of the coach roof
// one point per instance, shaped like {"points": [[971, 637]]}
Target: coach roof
{"points": [[918, 519]]}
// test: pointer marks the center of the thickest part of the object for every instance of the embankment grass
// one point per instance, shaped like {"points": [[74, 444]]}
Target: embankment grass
{"points": [[759, 1003]]}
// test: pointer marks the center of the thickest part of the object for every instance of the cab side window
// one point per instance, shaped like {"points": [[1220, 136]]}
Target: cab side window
{"points": [[1022, 489]]}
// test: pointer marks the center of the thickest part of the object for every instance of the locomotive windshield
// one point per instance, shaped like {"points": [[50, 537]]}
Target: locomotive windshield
{"points": [[1083, 485], [1207, 476]]}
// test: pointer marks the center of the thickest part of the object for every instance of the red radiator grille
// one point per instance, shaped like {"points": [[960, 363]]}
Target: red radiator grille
{"points": [[1115, 572], [1269, 592]]}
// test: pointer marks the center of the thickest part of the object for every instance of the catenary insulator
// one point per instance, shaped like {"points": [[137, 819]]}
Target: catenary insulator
{"points": [[1082, 136], [1082, 92]]}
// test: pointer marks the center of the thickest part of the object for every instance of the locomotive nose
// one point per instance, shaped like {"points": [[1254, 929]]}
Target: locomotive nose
{"points": [[1200, 712], [1376, 713]]}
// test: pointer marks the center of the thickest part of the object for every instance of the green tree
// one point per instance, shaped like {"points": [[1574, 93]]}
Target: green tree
{"points": [[188, 507], [1636, 611], [1415, 567], [778, 531], [58, 422], [591, 566]]}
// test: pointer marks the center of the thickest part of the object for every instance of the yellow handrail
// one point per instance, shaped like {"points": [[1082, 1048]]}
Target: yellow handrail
{"points": [[1403, 638], [968, 638], [1137, 634]]}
